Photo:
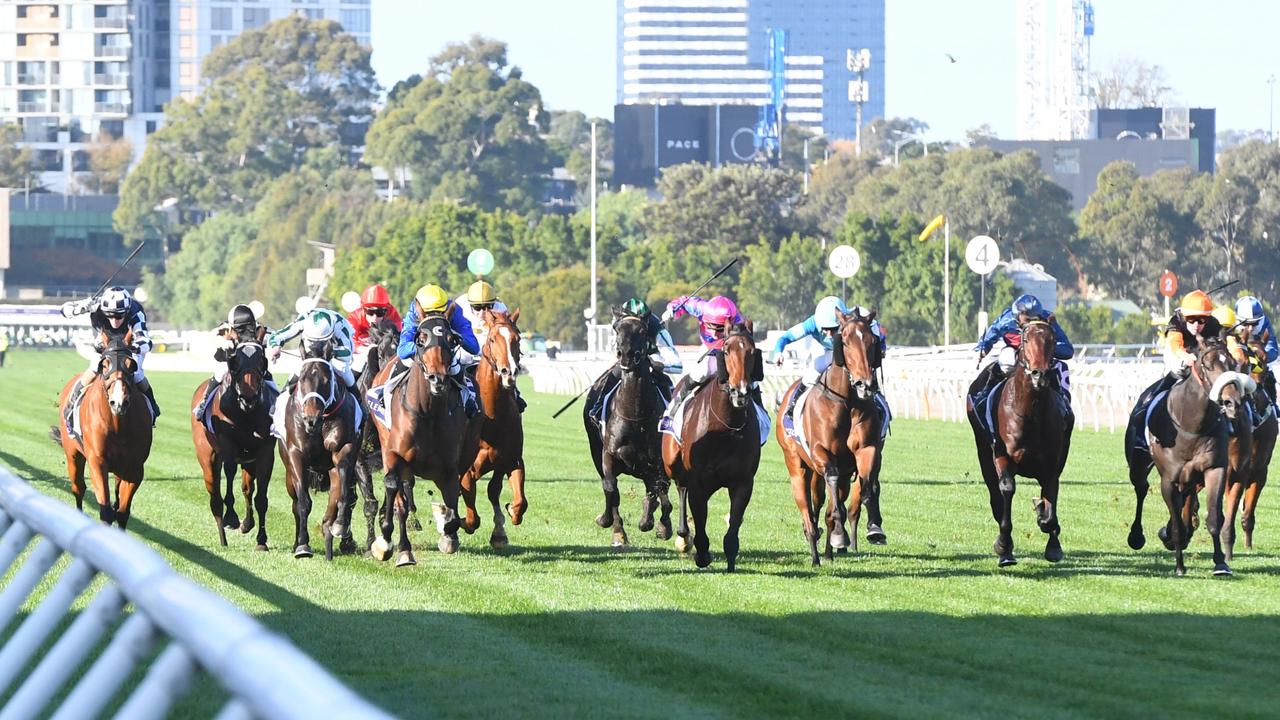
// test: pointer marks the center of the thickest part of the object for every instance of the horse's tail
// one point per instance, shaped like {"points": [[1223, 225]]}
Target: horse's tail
{"points": [[55, 434]]}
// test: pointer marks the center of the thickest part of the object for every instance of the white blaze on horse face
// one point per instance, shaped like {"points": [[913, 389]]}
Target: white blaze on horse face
{"points": [[116, 395]]}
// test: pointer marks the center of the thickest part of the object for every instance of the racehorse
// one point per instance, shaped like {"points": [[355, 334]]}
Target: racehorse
{"points": [[719, 445], [1244, 484], [385, 336], [1188, 445], [842, 423], [630, 442], [115, 433], [240, 416], [429, 437], [1032, 437], [502, 433], [320, 437]]}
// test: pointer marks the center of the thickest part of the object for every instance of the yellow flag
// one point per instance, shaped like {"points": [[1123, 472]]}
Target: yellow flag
{"points": [[932, 226]]}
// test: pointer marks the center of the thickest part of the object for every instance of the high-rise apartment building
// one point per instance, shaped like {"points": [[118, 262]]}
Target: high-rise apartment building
{"points": [[714, 52], [75, 71]]}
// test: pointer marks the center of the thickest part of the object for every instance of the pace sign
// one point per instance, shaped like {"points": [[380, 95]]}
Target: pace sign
{"points": [[844, 261]]}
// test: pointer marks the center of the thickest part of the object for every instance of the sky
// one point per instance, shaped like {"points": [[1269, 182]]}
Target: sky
{"points": [[1215, 54]]}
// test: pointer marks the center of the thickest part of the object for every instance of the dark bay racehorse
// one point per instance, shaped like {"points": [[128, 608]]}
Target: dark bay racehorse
{"points": [[719, 445], [842, 423], [630, 443], [240, 413], [429, 437], [115, 432], [1246, 480], [1188, 432], [502, 433], [1032, 439], [320, 438], [386, 337]]}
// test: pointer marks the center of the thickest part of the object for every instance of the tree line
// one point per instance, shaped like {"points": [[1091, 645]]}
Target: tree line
{"points": [[266, 158]]}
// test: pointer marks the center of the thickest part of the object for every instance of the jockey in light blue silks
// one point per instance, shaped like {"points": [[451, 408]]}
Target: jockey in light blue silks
{"points": [[1250, 315], [998, 348], [822, 325]]}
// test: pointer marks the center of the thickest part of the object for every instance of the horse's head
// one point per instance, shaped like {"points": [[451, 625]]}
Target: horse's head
{"points": [[385, 337], [117, 366], [630, 342], [1214, 369], [502, 348], [1035, 352], [316, 389], [857, 350], [248, 366], [435, 341], [739, 364]]}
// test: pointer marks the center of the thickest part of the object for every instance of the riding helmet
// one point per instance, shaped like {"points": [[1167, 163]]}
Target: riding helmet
{"points": [[720, 310], [827, 313], [1196, 304], [1029, 304], [1225, 315], [375, 296], [115, 301], [635, 307], [241, 316], [481, 293], [1249, 309], [318, 326], [432, 298]]}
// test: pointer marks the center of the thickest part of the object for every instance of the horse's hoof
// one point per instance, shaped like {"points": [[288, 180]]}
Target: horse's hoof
{"points": [[448, 544], [380, 549], [1221, 570], [839, 539], [498, 542], [1008, 560], [261, 547], [682, 544], [1163, 534], [702, 559], [1179, 572], [247, 524], [1137, 540], [645, 524], [664, 531], [515, 516], [1053, 554], [337, 530], [469, 525], [842, 551], [405, 559], [604, 520], [876, 536], [619, 539], [230, 520], [302, 551], [347, 545], [415, 524]]}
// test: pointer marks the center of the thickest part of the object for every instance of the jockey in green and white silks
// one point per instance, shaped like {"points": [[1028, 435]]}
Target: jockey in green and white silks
{"points": [[316, 325]]}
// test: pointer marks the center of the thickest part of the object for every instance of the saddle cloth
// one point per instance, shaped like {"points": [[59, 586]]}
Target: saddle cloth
{"points": [[378, 396], [673, 423], [795, 430], [71, 421]]}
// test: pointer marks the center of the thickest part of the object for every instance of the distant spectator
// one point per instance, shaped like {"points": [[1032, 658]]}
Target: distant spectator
{"points": [[4, 346]]}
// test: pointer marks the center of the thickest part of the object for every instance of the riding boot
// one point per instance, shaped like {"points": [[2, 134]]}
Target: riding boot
{"points": [[145, 387], [791, 402], [472, 404], [521, 405], [684, 388], [203, 407], [610, 381]]}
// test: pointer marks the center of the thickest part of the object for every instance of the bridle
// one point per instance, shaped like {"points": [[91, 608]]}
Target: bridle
{"points": [[434, 331], [115, 359], [633, 353], [1036, 374], [507, 329], [252, 350], [862, 389], [326, 401]]}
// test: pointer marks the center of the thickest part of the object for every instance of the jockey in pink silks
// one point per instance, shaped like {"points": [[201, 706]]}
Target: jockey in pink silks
{"points": [[715, 318]]}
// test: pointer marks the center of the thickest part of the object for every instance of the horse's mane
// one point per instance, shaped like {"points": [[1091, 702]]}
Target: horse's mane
{"points": [[742, 329]]}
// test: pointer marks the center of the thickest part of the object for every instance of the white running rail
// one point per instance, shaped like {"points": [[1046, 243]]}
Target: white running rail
{"points": [[266, 676]]}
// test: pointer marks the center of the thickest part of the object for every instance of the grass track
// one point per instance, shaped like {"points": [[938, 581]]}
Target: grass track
{"points": [[561, 625]]}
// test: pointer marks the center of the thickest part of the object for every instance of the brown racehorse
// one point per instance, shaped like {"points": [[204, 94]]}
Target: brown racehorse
{"points": [[430, 437], [1244, 484], [384, 337], [502, 433], [1189, 436], [240, 412], [1032, 439], [719, 446], [115, 432], [320, 442], [842, 423]]}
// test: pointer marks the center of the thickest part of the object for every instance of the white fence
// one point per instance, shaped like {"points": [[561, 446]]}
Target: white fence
{"points": [[266, 676]]}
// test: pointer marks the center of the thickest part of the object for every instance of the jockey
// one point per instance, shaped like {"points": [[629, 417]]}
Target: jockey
{"points": [[317, 325], [1192, 322], [823, 325], [715, 318], [241, 327], [478, 298], [115, 313], [433, 300], [375, 304], [660, 349], [998, 348], [1254, 326]]}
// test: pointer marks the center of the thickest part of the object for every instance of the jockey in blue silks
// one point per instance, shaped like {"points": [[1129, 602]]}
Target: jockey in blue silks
{"points": [[823, 325], [430, 300], [1250, 315], [998, 348]]}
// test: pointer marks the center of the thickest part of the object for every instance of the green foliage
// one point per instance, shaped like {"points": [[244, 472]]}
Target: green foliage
{"points": [[780, 287], [200, 284], [569, 143], [552, 303], [1098, 325], [16, 163], [731, 206], [792, 147], [824, 208], [469, 131]]}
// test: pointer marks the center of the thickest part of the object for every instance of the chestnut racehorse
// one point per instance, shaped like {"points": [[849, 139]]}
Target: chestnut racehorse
{"points": [[1245, 482], [843, 426], [502, 433], [430, 437], [115, 432], [719, 446], [240, 413], [320, 442], [1032, 439], [385, 336], [1188, 445]]}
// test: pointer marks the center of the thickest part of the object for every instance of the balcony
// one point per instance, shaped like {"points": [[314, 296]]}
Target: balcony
{"points": [[111, 108], [34, 107], [110, 23], [111, 52], [38, 79], [110, 79]]}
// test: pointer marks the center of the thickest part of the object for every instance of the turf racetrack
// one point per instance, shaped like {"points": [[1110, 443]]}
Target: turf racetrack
{"points": [[561, 625]]}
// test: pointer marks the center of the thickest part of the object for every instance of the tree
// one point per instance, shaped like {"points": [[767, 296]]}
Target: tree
{"points": [[794, 138], [779, 287], [824, 208], [469, 132], [1130, 83], [977, 136], [109, 161], [731, 206], [16, 163], [879, 135], [274, 95]]}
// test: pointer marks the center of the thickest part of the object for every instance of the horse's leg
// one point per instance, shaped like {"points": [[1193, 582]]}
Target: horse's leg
{"points": [[1171, 534], [613, 515], [301, 513], [75, 473], [450, 489], [497, 538], [468, 486], [207, 468], [520, 502], [230, 518], [663, 485], [401, 507], [1251, 494], [801, 481], [701, 543], [246, 488], [739, 498], [1213, 482], [364, 479], [411, 505], [125, 490], [262, 479], [1139, 468], [392, 506], [1231, 495], [329, 523], [1046, 507], [1004, 541], [871, 495], [98, 477], [838, 536]]}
